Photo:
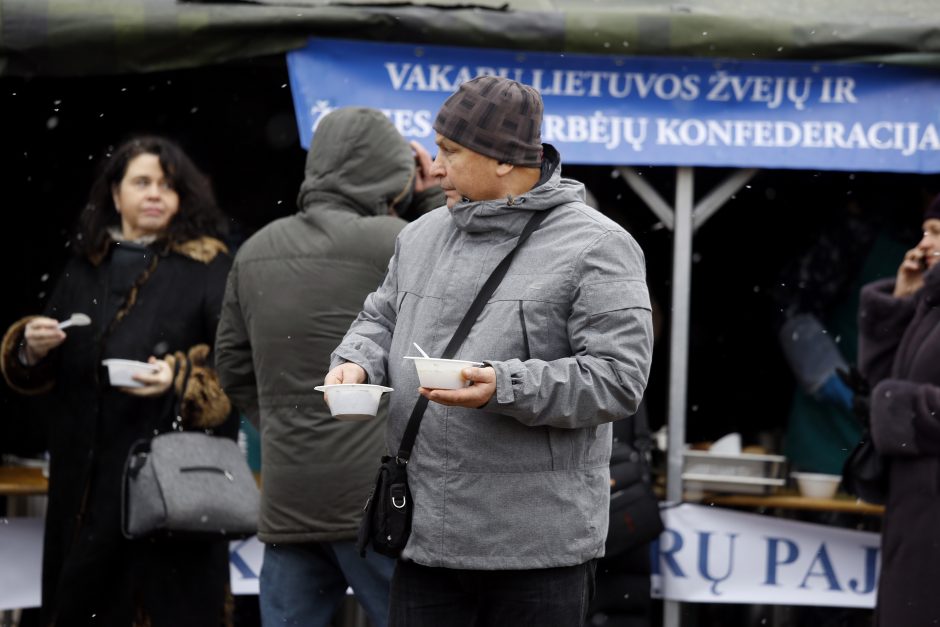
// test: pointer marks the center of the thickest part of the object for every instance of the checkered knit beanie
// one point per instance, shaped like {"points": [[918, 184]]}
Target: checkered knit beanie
{"points": [[495, 117]]}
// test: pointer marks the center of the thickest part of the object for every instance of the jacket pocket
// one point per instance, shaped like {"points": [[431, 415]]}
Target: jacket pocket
{"points": [[575, 449], [538, 305]]}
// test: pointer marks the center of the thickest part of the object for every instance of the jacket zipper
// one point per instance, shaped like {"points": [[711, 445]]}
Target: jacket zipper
{"points": [[525, 332], [220, 471]]}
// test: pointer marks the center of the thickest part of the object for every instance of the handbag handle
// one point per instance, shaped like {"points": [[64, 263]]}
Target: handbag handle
{"points": [[176, 418], [463, 330]]}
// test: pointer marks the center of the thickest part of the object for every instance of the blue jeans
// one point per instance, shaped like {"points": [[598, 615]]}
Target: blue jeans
{"points": [[304, 584], [431, 597]]}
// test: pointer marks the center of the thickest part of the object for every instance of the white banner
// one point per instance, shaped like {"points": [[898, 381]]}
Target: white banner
{"points": [[706, 555], [244, 558], [21, 563], [714, 555]]}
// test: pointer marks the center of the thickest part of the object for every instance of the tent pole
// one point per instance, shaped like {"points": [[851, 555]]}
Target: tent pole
{"points": [[683, 220], [679, 331], [678, 350]]}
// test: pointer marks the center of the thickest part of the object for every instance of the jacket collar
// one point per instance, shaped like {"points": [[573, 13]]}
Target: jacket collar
{"points": [[509, 215], [931, 287], [203, 249]]}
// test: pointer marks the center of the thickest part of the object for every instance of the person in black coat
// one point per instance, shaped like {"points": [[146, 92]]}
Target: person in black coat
{"points": [[150, 274], [899, 340]]}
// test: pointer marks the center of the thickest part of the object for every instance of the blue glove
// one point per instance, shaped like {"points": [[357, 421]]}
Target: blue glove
{"points": [[836, 392]]}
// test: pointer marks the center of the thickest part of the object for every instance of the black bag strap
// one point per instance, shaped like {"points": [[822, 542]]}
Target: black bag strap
{"points": [[641, 429], [176, 418], [642, 440], [463, 329]]}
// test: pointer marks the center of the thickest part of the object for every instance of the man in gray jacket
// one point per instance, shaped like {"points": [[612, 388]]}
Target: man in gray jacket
{"points": [[293, 290], [509, 476]]}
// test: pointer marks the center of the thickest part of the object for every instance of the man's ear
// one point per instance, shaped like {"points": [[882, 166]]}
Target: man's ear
{"points": [[503, 168]]}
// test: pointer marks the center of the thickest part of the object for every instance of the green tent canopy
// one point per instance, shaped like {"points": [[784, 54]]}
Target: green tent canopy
{"points": [[101, 37]]}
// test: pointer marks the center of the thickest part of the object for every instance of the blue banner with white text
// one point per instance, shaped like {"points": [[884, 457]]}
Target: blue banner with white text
{"points": [[619, 110]]}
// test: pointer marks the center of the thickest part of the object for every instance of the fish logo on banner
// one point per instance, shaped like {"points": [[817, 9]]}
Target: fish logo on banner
{"points": [[319, 110]]}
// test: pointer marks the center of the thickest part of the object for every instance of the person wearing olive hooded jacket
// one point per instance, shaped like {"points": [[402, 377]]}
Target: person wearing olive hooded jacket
{"points": [[294, 288]]}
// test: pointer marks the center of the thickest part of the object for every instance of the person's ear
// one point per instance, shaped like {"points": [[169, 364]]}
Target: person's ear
{"points": [[503, 168], [115, 198]]}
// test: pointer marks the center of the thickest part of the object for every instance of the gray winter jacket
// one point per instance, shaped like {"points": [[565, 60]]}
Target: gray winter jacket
{"points": [[295, 287], [523, 482]]}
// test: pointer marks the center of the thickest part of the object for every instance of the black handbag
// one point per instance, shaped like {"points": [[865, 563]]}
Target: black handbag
{"points": [[386, 520], [865, 471], [634, 508]]}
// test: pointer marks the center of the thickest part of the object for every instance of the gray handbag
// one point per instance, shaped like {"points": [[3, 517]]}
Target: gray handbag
{"points": [[188, 483]]}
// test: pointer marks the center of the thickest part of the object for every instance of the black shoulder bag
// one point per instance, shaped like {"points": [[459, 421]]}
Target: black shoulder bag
{"points": [[386, 521], [864, 472], [634, 508]]}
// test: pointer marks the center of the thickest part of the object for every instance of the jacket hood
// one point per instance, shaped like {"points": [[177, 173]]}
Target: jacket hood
{"points": [[357, 160], [509, 215]]}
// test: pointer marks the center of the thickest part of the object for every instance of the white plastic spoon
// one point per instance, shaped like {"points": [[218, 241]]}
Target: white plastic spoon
{"points": [[420, 350], [75, 320]]}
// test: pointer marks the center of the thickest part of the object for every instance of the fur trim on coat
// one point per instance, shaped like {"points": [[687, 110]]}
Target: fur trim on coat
{"points": [[204, 404], [29, 380], [203, 249]]}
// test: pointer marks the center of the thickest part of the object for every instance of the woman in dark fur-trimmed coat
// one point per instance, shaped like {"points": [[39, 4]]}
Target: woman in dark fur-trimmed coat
{"points": [[899, 354], [151, 278]]}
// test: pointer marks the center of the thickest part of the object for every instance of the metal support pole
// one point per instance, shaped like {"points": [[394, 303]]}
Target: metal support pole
{"points": [[679, 330], [683, 221], [649, 195], [678, 349], [720, 195]]}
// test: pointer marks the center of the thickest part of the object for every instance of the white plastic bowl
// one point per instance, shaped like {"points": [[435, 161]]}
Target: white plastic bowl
{"points": [[353, 401], [442, 374], [815, 485], [121, 371]]}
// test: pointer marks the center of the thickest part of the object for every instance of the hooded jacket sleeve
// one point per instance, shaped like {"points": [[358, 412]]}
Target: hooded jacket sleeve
{"points": [[369, 338], [233, 353], [610, 332]]}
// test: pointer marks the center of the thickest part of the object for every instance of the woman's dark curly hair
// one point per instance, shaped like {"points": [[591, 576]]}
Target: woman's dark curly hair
{"points": [[198, 214]]}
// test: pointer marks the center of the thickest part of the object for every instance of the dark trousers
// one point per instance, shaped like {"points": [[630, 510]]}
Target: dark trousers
{"points": [[443, 597]]}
